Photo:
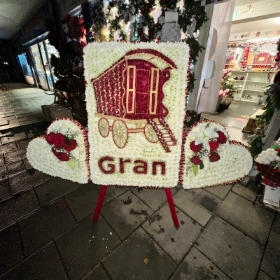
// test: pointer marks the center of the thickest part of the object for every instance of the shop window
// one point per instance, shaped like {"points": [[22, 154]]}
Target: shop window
{"points": [[24, 64]]}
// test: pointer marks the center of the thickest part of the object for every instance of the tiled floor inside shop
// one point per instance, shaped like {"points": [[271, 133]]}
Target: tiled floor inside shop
{"points": [[46, 230]]}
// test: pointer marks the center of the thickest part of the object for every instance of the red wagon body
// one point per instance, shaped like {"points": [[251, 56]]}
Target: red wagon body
{"points": [[131, 91]]}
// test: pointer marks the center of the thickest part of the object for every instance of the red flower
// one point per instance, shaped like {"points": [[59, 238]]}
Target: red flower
{"points": [[213, 145], [54, 151], [60, 155], [71, 146], [195, 160], [195, 148], [63, 156], [214, 157], [50, 137], [222, 137], [59, 140]]}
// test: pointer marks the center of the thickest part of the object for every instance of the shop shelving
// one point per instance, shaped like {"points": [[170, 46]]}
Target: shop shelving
{"points": [[251, 84]]}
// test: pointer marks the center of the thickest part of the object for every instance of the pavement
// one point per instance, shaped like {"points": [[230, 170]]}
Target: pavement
{"points": [[46, 228]]}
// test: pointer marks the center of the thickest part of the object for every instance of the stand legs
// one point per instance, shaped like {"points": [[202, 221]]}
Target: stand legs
{"points": [[99, 203], [169, 197], [172, 207]]}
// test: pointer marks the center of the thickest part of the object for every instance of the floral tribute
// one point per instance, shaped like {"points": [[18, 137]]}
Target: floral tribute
{"points": [[268, 164], [62, 152], [136, 107], [211, 159]]}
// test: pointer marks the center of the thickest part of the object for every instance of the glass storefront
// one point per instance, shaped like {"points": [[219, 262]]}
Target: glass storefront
{"points": [[41, 55]]}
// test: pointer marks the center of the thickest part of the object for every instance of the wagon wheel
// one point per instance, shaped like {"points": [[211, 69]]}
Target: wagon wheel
{"points": [[103, 127], [150, 133], [120, 133]]}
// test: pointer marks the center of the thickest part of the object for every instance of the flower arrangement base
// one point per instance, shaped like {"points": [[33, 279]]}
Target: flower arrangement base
{"points": [[208, 155], [62, 152], [269, 173], [169, 197]]}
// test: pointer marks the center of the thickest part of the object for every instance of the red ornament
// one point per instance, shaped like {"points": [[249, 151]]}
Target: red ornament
{"points": [[195, 148], [195, 160], [60, 155], [50, 137], [213, 145], [59, 140], [222, 139], [70, 146], [213, 157]]}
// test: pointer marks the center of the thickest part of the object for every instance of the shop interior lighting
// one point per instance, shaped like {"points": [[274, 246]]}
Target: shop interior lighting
{"points": [[274, 4], [263, 39]]}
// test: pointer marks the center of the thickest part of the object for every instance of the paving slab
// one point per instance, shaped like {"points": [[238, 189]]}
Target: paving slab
{"points": [[97, 273], [176, 242], [54, 189], [43, 265], [23, 143], [3, 122], [15, 137], [208, 201], [40, 228], [139, 257], [27, 164], [230, 249], [115, 191], [27, 122], [263, 276], [8, 148], [271, 261], [125, 213], [83, 201], [249, 192], [184, 201], [10, 247], [10, 126], [197, 266], [251, 219], [15, 155], [25, 181], [84, 245], [2, 160], [4, 188], [245, 181], [276, 223], [15, 167], [155, 198], [17, 207], [219, 191]]}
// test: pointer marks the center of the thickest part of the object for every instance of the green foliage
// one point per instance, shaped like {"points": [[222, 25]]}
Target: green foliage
{"points": [[168, 4], [191, 82], [273, 103], [192, 8], [195, 48]]}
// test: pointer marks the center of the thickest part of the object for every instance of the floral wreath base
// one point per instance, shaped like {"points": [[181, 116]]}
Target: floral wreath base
{"points": [[62, 152], [135, 98], [211, 159]]}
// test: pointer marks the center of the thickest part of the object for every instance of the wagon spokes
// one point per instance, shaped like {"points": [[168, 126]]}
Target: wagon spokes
{"points": [[150, 133], [103, 127], [120, 133]]}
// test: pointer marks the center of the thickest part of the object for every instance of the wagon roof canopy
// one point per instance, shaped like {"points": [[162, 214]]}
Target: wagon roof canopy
{"points": [[153, 56], [157, 58]]}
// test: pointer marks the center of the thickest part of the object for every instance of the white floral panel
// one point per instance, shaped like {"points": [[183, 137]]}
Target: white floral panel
{"points": [[127, 151], [235, 160]]}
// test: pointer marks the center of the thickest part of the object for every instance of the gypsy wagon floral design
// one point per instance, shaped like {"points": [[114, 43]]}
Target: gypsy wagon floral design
{"points": [[129, 97]]}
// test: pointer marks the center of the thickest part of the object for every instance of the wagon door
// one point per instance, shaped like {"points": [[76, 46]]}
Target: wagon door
{"points": [[142, 91], [153, 104]]}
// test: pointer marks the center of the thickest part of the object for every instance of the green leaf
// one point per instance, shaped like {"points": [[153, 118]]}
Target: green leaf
{"points": [[207, 125], [194, 169], [71, 163], [201, 165]]}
